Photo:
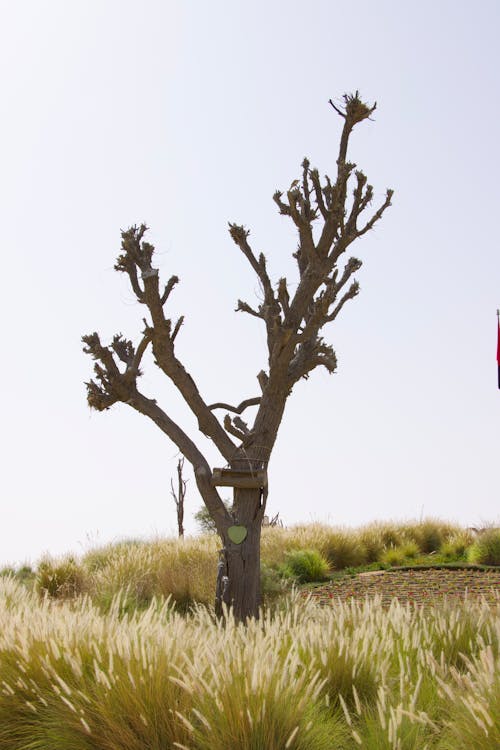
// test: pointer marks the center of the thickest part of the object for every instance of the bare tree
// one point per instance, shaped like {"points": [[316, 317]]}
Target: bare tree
{"points": [[295, 344], [179, 496]]}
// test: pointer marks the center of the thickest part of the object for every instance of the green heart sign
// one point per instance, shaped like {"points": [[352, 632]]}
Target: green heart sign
{"points": [[237, 534]]}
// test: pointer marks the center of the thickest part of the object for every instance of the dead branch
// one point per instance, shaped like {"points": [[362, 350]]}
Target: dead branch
{"points": [[179, 496], [244, 307]]}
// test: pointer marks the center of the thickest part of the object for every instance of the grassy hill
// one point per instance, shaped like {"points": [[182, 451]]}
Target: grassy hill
{"points": [[118, 650], [185, 569]]}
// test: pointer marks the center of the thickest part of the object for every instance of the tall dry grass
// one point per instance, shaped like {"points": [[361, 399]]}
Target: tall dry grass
{"points": [[344, 676]]}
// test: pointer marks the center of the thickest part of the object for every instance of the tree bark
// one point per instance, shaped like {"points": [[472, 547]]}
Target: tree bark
{"points": [[239, 565]]}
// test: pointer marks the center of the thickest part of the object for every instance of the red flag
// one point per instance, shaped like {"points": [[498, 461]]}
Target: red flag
{"points": [[498, 345]]}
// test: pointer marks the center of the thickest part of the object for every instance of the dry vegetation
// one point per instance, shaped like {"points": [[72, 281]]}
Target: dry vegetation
{"points": [[307, 676], [185, 569], [118, 650]]}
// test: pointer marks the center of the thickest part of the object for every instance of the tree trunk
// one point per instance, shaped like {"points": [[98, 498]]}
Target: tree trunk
{"points": [[238, 584]]}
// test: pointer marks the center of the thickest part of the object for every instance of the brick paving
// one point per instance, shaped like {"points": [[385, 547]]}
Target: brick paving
{"points": [[422, 587]]}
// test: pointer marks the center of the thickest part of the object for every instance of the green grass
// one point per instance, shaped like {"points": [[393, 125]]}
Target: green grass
{"points": [[486, 548], [305, 566]]}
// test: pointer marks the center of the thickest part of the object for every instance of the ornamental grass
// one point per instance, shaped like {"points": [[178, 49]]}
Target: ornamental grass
{"points": [[345, 675]]}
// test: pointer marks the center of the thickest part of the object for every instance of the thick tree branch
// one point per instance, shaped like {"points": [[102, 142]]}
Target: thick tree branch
{"points": [[270, 309], [139, 254], [111, 385], [202, 471], [114, 386]]}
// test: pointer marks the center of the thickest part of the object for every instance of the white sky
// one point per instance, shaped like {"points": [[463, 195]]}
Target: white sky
{"points": [[186, 115]]}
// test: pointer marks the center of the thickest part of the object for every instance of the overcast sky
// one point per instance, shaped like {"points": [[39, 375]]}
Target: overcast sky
{"points": [[187, 115]]}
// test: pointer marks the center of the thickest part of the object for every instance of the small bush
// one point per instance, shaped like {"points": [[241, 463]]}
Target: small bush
{"points": [[305, 565], [410, 550], [486, 548], [370, 538], [400, 555], [343, 549], [272, 584], [430, 534], [60, 579], [456, 547], [206, 524], [393, 556], [25, 573]]}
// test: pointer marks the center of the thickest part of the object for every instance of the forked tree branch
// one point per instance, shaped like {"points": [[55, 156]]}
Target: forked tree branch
{"points": [[307, 312], [113, 385], [244, 307], [137, 256], [269, 311]]}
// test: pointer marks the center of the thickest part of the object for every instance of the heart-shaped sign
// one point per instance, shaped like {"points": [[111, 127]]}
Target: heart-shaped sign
{"points": [[237, 534]]}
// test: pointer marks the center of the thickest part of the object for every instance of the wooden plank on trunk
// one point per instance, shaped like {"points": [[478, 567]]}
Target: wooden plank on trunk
{"points": [[242, 478]]}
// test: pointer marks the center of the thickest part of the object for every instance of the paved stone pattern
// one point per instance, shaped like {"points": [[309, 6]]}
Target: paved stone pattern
{"points": [[421, 587]]}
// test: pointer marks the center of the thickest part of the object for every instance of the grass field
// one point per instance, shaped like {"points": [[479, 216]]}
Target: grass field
{"points": [[117, 650], [185, 569], [308, 676]]}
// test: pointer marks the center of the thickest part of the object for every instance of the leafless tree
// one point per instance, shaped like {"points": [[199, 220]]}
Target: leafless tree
{"points": [[294, 330], [179, 495]]}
